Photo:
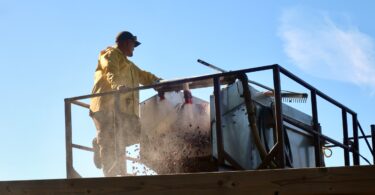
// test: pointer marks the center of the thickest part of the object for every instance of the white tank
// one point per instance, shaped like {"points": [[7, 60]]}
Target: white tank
{"points": [[175, 136]]}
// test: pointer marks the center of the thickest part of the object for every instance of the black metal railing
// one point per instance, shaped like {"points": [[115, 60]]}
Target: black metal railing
{"points": [[348, 144]]}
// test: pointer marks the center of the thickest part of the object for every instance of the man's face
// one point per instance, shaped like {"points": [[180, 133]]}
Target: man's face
{"points": [[129, 47]]}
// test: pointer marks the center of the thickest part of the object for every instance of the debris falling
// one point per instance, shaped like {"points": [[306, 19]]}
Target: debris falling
{"points": [[176, 136]]}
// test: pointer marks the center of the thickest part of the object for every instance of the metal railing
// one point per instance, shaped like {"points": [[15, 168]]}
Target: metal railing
{"points": [[348, 144]]}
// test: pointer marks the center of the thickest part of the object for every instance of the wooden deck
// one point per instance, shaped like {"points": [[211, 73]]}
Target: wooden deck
{"points": [[340, 180]]}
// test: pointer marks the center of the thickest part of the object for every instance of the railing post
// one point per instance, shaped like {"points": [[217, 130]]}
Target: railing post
{"points": [[119, 152], [68, 139], [355, 141], [345, 137], [279, 117], [219, 133], [373, 142], [317, 144]]}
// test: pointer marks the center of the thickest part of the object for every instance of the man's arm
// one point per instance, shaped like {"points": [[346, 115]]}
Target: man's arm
{"points": [[110, 63], [146, 78]]}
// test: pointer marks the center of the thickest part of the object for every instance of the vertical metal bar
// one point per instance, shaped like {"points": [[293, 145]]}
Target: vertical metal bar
{"points": [[356, 140], [345, 137], [364, 136], [68, 139], [116, 129], [279, 117], [317, 144], [219, 135], [373, 142]]}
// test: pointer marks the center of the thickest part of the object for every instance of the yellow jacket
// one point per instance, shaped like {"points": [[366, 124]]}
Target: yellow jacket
{"points": [[113, 70]]}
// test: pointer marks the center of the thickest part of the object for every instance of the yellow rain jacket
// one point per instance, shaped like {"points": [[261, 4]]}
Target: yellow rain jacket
{"points": [[113, 70]]}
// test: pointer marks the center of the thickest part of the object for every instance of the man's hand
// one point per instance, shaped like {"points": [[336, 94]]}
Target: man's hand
{"points": [[159, 80], [158, 89], [161, 95]]}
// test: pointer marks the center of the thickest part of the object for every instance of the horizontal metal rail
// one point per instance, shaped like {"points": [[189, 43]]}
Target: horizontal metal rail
{"points": [[175, 82], [78, 103], [82, 147], [324, 137], [361, 137], [312, 131], [318, 92], [211, 76], [92, 150]]}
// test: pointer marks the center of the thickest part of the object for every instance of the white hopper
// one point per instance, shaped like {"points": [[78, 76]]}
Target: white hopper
{"points": [[175, 136]]}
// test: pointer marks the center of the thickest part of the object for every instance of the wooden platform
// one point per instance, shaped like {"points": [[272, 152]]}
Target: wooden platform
{"points": [[341, 180]]}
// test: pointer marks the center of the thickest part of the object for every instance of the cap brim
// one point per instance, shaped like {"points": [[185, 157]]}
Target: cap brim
{"points": [[137, 43]]}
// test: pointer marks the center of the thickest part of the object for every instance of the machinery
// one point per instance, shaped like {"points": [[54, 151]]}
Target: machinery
{"points": [[239, 141], [181, 137]]}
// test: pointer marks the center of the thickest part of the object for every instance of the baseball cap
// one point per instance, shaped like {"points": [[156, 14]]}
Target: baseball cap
{"points": [[125, 35]]}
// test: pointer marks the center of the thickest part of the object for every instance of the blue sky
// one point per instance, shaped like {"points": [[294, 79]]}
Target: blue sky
{"points": [[49, 49]]}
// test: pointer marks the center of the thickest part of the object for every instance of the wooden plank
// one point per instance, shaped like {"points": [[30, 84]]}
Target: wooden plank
{"points": [[340, 180]]}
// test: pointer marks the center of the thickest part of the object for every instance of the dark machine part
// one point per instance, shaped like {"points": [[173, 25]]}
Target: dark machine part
{"points": [[266, 121], [240, 141]]}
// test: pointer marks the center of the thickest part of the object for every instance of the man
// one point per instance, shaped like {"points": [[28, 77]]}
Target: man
{"points": [[117, 126]]}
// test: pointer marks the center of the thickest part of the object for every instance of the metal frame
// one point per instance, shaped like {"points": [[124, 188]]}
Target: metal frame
{"points": [[279, 117], [277, 151]]}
